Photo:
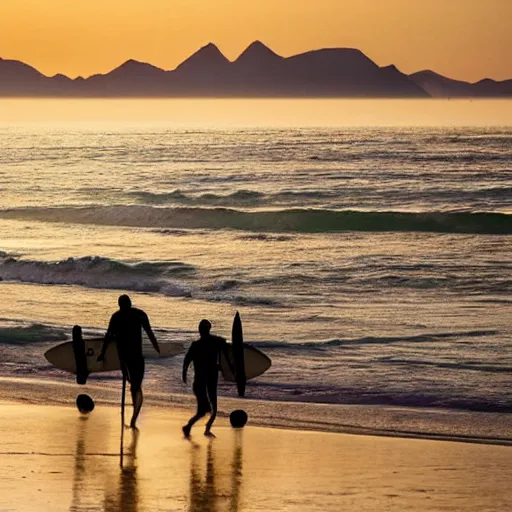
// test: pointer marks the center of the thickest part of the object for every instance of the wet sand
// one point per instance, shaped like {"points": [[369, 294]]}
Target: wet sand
{"points": [[54, 459]]}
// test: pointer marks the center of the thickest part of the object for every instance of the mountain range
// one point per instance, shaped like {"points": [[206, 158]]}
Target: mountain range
{"points": [[257, 72]]}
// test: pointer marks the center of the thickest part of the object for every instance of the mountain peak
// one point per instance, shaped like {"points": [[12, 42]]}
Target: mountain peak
{"points": [[210, 47], [257, 51], [61, 77], [486, 81], [390, 67], [208, 56], [345, 61], [129, 70], [135, 65], [426, 73], [130, 62], [211, 51]]}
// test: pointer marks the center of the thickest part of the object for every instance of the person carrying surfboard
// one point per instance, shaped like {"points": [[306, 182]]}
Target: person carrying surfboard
{"points": [[125, 328], [205, 355]]}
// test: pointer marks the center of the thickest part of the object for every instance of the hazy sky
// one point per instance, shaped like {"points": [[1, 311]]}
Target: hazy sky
{"points": [[464, 39]]}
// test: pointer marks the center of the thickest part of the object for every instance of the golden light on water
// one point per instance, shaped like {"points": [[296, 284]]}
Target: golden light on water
{"points": [[208, 113]]}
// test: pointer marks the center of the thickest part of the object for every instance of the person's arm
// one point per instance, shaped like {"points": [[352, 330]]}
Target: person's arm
{"points": [[108, 338], [186, 364], [149, 332]]}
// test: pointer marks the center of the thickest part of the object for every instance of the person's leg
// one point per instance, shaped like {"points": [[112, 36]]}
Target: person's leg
{"points": [[212, 396], [138, 399], [203, 407], [126, 377], [136, 376]]}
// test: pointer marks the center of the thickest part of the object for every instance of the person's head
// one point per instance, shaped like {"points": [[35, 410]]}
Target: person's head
{"points": [[204, 327], [124, 302]]}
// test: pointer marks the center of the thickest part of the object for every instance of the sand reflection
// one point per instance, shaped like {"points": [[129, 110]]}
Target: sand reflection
{"points": [[98, 483], [79, 467], [215, 484], [127, 496]]}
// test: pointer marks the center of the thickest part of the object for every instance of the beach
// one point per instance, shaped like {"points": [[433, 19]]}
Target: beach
{"points": [[56, 459], [367, 255], [299, 212]]}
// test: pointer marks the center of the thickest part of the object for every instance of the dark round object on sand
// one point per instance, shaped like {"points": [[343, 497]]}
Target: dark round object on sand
{"points": [[238, 418], [84, 403]]}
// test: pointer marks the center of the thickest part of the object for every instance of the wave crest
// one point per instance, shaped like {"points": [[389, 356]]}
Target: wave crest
{"points": [[27, 334], [99, 272], [276, 221]]}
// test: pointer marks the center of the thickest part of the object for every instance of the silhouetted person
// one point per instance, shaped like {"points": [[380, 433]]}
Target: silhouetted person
{"points": [[125, 328], [205, 354]]}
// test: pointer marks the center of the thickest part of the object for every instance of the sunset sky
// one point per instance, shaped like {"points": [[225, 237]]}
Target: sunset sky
{"points": [[464, 39]]}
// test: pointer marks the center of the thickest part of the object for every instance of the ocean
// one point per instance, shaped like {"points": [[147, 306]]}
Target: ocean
{"points": [[366, 245]]}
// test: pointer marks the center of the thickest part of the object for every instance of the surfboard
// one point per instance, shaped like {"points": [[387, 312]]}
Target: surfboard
{"points": [[249, 362], [237, 344], [255, 361], [62, 356], [79, 353]]}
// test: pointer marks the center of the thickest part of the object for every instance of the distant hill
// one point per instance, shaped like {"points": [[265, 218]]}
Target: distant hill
{"points": [[257, 72], [124, 80], [439, 86]]}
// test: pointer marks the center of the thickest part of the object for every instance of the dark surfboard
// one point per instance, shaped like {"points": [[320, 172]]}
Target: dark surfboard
{"points": [[82, 371], [237, 340]]}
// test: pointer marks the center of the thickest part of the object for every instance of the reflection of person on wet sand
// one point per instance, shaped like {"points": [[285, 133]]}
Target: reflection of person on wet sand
{"points": [[236, 473], [205, 354], [208, 495], [128, 484], [79, 469], [127, 497], [202, 495], [94, 471]]}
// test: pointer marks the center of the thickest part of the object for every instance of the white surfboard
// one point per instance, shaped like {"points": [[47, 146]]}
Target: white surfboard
{"points": [[256, 363], [62, 356]]}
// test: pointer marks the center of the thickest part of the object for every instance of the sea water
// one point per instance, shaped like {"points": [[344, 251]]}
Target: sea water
{"points": [[366, 245]]}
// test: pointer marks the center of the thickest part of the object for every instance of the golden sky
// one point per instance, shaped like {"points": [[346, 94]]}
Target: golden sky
{"points": [[464, 39]]}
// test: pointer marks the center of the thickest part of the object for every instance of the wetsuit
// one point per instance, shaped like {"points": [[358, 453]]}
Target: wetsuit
{"points": [[126, 328], [205, 355]]}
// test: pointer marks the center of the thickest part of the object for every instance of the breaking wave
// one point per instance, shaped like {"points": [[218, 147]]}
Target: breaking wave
{"points": [[300, 220], [27, 334], [338, 197], [240, 197], [169, 278], [98, 272]]}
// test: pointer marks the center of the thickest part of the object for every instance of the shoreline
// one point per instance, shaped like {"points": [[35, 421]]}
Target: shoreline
{"points": [[357, 420]]}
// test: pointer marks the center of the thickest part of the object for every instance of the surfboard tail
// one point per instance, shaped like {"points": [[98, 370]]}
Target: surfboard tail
{"points": [[240, 386]]}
